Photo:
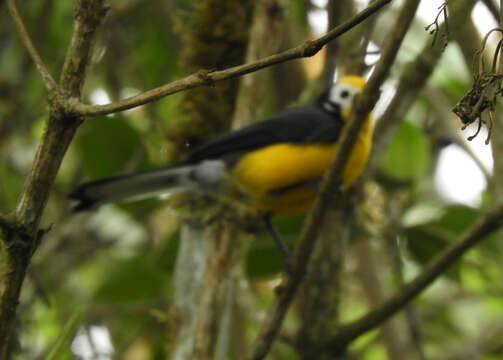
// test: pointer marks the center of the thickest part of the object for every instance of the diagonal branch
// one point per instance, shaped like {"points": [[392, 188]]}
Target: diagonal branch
{"points": [[329, 193], [49, 82], [413, 79], [492, 221], [206, 77]]}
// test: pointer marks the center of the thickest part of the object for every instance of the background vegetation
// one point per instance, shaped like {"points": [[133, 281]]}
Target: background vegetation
{"points": [[160, 279]]}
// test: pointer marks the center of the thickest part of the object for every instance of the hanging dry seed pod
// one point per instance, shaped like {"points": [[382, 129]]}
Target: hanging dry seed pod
{"points": [[484, 92]]}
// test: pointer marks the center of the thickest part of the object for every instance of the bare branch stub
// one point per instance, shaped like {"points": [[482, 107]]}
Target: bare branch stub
{"points": [[484, 92], [434, 27]]}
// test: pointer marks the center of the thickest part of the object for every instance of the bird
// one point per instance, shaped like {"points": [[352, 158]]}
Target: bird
{"points": [[272, 167]]}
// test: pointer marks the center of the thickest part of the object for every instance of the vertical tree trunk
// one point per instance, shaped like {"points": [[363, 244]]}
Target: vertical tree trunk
{"points": [[208, 267], [208, 271]]}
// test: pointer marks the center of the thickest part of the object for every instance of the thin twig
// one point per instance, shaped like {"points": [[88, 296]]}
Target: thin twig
{"points": [[329, 193], [489, 223], [442, 10], [207, 77], [483, 169], [49, 82]]}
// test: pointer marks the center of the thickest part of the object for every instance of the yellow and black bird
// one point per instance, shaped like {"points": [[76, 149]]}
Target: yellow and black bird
{"points": [[272, 167]]}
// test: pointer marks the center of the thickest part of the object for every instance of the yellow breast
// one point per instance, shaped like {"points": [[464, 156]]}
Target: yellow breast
{"points": [[268, 176]]}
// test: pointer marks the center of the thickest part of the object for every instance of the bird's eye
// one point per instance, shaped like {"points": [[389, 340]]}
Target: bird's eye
{"points": [[192, 142], [344, 94]]}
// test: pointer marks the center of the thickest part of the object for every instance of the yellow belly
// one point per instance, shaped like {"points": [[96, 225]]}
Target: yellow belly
{"points": [[261, 174]]}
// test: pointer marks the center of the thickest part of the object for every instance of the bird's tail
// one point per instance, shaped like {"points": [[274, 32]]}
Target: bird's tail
{"points": [[128, 187]]}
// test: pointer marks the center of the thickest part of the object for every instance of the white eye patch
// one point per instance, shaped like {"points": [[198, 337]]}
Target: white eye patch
{"points": [[342, 94]]}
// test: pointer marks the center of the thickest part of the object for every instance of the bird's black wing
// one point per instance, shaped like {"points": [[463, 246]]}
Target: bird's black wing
{"points": [[308, 124]]}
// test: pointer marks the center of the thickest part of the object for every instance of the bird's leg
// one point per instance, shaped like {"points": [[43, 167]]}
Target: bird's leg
{"points": [[277, 239]]}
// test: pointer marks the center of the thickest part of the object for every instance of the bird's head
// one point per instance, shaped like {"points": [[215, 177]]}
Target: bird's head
{"points": [[342, 92]]}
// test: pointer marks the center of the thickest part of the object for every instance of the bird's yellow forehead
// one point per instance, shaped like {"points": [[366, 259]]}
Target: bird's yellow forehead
{"points": [[353, 80]]}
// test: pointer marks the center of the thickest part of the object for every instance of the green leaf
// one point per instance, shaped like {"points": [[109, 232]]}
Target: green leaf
{"points": [[426, 240], [263, 259], [135, 279], [408, 157], [106, 145]]}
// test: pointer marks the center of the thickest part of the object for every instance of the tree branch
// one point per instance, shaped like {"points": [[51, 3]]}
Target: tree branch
{"points": [[49, 82], [61, 126], [323, 288], [484, 227], [208, 263], [89, 15], [208, 77], [331, 183], [22, 237], [411, 82]]}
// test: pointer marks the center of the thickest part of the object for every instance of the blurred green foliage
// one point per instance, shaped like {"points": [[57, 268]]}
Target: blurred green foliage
{"points": [[118, 263], [408, 143]]}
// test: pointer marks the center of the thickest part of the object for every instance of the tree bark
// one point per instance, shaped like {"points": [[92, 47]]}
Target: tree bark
{"points": [[208, 268], [20, 233]]}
